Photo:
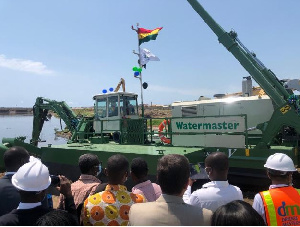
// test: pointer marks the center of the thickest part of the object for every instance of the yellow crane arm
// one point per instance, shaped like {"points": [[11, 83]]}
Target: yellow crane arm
{"points": [[122, 82]]}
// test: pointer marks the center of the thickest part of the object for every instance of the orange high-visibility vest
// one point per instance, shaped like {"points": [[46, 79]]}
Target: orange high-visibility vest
{"points": [[282, 206]]}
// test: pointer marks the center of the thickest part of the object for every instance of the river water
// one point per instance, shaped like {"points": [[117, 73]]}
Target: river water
{"points": [[18, 125]]}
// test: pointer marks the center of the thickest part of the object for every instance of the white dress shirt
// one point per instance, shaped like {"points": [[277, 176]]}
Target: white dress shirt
{"points": [[9, 173], [26, 206], [213, 195], [258, 203]]}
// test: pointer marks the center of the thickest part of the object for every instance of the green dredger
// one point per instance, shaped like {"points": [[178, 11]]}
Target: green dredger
{"points": [[247, 128]]}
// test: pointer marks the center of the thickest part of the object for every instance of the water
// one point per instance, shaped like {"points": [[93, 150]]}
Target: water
{"points": [[14, 126]]}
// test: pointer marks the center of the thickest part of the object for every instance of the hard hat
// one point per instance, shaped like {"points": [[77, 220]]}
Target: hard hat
{"points": [[32, 176], [32, 159], [280, 162]]}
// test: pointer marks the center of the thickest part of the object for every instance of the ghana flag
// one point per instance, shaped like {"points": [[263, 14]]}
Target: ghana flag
{"points": [[146, 35]]}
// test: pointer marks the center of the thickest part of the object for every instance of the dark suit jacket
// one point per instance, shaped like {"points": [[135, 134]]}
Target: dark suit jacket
{"points": [[23, 217], [29, 217], [9, 196]]}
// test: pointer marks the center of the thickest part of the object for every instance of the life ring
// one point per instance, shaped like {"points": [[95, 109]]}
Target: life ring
{"points": [[160, 132]]}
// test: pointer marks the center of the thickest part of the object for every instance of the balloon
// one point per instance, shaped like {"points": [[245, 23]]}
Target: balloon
{"points": [[145, 85], [111, 89], [104, 91], [136, 69], [136, 73]]}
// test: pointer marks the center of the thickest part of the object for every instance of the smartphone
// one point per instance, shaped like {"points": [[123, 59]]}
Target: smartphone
{"points": [[197, 171], [55, 181]]}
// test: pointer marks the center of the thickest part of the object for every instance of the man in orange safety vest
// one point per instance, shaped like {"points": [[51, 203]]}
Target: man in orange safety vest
{"points": [[280, 205]]}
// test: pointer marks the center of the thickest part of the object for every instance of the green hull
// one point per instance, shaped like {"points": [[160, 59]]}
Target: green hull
{"points": [[246, 166]]}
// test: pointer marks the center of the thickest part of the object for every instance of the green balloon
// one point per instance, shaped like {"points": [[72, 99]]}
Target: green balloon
{"points": [[136, 69]]}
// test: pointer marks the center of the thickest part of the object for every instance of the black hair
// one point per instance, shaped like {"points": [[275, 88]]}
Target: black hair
{"points": [[57, 218], [278, 175], [173, 172], [15, 157], [32, 196], [117, 166], [217, 161], [87, 161], [236, 213], [139, 167]]}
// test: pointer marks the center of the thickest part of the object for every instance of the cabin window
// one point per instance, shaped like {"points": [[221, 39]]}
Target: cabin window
{"points": [[128, 105], [101, 108], [113, 106]]}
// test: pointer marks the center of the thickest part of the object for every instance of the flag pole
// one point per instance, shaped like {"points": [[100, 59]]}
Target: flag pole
{"points": [[141, 78]]}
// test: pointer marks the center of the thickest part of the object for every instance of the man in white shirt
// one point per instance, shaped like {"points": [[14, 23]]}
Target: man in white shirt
{"points": [[218, 192]]}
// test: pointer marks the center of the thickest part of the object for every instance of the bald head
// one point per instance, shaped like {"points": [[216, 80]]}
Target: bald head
{"points": [[217, 166]]}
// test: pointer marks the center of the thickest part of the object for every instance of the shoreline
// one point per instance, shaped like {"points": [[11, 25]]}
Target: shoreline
{"points": [[16, 114], [8, 111]]}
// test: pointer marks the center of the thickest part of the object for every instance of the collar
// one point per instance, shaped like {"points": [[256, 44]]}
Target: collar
{"points": [[278, 186], [216, 184], [170, 199], [26, 206], [88, 177], [142, 184], [9, 173], [111, 187]]}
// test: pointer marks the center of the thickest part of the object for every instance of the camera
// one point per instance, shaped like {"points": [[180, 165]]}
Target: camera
{"points": [[197, 171], [55, 181]]}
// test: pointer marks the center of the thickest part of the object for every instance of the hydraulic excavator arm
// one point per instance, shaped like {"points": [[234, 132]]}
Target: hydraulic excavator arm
{"points": [[122, 82], [286, 104], [40, 112]]}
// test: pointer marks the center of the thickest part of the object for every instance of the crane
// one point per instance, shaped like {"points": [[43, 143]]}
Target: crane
{"points": [[122, 82], [286, 104]]}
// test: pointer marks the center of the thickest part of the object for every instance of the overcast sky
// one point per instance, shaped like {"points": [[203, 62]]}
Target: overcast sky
{"points": [[71, 50]]}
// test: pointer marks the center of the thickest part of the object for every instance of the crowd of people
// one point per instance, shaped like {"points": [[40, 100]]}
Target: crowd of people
{"points": [[25, 198]]}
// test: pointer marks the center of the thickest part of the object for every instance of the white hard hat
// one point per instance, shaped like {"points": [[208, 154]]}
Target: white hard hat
{"points": [[32, 176], [280, 162], [32, 159]]}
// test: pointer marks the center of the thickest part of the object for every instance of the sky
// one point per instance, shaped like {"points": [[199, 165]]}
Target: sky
{"points": [[71, 50]]}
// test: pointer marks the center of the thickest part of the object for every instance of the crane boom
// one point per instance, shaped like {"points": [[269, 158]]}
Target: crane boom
{"points": [[40, 111], [263, 76], [122, 82], [287, 109]]}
